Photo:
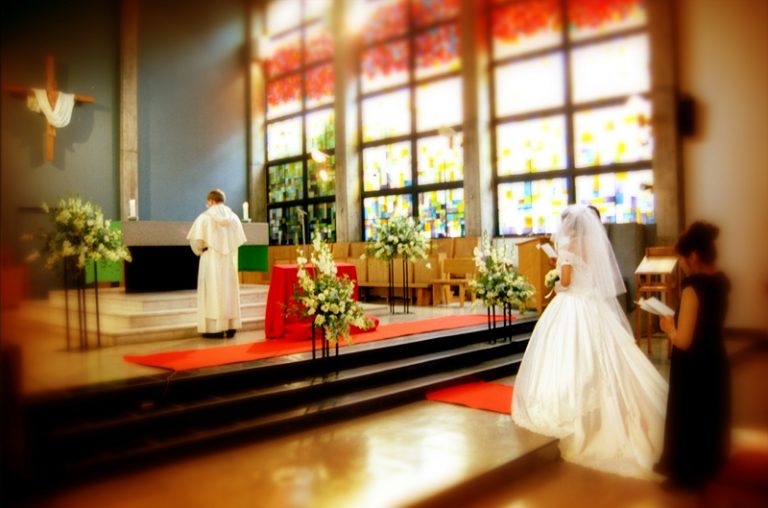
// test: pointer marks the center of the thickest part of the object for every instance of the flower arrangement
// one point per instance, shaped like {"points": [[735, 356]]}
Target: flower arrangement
{"points": [[497, 282], [550, 279], [327, 298], [399, 237], [81, 233]]}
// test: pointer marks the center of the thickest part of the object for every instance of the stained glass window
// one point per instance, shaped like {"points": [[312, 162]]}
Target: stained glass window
{"points": [[620, 197], [532, 206], [590, 128], [614, 134], [387, 167], [437, 51], [384, 66], [284, 138], [439, 104], [531, 146], [599, 17], [525, 26], [381, 208], [322, 220], [529, 85], [388, 116], [441, 159], [300, 148], [442, 212], [285, 182], [411, 114], [607, 69]]}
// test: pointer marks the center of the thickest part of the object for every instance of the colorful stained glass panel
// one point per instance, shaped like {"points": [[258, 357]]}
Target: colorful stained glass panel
{"points": [[284, 138], [322, 220], [609, 69], [441, 159], [532, 207], [319, 42], [616, 134], [384, 66], [426, 12], [284, 96], [381, 208], [321, 178], [283, 53], [437, 51], [439, 104], [387, 167], [529, 85], [286, 182], [620, 197], [320, 130], [284, 226], [441, 213], [531, 146], [526, 26], [320, 85], [386, 116], [384, 19], [589, 18]]}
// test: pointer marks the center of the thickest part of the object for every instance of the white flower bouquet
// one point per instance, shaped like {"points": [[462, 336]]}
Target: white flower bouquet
{"points": [[81, 233], [325, 297], [497, 282], [399, 237]]}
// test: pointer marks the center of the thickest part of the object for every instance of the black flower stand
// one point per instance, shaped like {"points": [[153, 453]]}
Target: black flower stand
{"points": [[391, 286]]}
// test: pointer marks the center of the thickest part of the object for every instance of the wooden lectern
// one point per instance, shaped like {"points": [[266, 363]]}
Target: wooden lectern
{"points": [[656, 275], [533, 264]]}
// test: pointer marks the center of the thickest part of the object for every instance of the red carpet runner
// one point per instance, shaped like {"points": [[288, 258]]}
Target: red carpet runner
{"points": [[480, 395], [223, 355]]}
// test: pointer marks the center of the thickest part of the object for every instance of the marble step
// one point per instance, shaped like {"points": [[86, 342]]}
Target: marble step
{"points": [[117, 300], [121, 321]]}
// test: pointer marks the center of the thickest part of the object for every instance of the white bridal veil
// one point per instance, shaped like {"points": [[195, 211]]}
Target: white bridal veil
{"points": [[582, 235]]}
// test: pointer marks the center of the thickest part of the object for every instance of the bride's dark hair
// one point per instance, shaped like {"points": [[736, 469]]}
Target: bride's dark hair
{"points": [[700, 238]]}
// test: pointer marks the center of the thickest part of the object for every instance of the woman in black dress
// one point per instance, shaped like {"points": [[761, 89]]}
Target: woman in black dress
{"points": [[697, 431]]}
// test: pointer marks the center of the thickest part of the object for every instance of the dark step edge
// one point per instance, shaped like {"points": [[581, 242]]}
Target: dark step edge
{"points": [[371, 375], [153, 384], [320, 412]]}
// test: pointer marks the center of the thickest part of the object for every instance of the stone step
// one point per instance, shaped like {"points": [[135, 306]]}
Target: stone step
{"points": [[117, 300]]}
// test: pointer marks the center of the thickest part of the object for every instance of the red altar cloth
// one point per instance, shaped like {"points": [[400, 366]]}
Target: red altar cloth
{"points": [[282, 286]]}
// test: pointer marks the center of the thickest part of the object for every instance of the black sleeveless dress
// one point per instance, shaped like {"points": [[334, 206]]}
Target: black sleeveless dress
{"points": [[697, 430]]}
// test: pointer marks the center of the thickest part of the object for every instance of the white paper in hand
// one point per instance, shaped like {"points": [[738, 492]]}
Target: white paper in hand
{"points": [[655, 306]]}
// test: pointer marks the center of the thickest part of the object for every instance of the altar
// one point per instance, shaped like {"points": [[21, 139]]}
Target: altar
{"points": [[164, 261]]}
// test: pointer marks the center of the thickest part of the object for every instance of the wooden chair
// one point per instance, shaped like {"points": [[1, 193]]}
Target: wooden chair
{"points": [[454, 272], [465, 247]]}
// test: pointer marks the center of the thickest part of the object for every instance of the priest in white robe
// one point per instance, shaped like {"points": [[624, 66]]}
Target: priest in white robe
{"points": [[215, 236]]}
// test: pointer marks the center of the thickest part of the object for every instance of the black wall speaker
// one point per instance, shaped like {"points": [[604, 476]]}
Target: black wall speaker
{"points": [[686, 116]]}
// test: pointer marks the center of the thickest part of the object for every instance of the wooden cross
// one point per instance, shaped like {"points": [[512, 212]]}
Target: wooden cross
{"points": [[51, 89]]}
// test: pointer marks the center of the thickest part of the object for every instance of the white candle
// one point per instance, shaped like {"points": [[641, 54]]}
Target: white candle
{"points": [[131, 208], [245, 210]]}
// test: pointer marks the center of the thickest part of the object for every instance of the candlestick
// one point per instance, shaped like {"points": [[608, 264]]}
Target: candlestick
{"points": [[245, 211], [131, 208]]}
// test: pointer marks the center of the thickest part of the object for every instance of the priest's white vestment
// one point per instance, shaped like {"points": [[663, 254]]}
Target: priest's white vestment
{"points": [[215, 236]]}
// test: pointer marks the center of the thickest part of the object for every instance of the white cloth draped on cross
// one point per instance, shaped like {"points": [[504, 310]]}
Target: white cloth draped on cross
{"points": [[59, 115]]}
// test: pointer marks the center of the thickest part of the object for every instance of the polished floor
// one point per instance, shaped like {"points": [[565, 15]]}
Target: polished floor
{"points": [[393, 458]]}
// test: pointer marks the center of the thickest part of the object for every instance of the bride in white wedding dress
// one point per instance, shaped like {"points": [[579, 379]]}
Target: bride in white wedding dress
{"points": [[583, 379]]}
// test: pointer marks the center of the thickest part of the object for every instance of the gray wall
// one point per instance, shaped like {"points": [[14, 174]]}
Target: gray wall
{"points": [[81, 35], [192, 106], [192, 110]]}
